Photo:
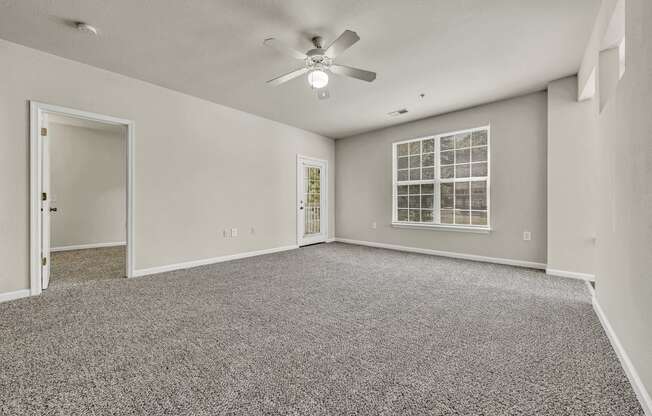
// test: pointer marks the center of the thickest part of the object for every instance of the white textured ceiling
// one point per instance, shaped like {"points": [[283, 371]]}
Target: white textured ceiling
{"points": [[459, 53]]}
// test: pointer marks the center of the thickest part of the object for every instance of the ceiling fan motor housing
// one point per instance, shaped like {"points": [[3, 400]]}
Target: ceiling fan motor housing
{"points": [[317, 59]]}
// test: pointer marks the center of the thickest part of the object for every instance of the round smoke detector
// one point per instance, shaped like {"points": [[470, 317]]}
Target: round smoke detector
{"points": [[86, 28]]}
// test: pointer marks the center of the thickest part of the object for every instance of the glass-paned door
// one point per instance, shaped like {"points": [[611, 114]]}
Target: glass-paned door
{"points": [[311, 210]]}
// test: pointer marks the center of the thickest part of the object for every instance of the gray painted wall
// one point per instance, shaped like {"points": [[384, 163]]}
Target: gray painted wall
{"points": [[200, 167], [624, 249], [88, 174], [518, 182], [572, 178]]}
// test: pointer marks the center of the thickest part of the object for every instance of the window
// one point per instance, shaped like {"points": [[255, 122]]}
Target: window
{"points": [[443, 180]]}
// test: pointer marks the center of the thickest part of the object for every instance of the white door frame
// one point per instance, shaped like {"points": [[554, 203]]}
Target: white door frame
{"points": [[323, 236], [37, 109]]}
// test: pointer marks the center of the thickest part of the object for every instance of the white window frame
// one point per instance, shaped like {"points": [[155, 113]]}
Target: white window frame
{"points": [[482, 229]]}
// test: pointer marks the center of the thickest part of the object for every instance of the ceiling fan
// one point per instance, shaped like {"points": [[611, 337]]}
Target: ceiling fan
{"points": [[318, 62]]}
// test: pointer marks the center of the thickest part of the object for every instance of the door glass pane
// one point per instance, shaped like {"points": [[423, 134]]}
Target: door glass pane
{"points": [[312, 200]]}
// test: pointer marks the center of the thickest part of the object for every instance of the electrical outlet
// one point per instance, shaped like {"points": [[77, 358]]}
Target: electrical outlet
{"points": [[373, 225], [527, 236], [234, 232]]}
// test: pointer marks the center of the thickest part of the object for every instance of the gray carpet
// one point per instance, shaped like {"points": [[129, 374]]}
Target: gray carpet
{"points": [[325, 330], [69, 268]]}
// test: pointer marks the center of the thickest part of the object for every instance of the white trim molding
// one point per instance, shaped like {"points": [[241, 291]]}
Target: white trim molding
{"points": [[86, 246], [442, 227], [17, 294], [463, 256], [638, 386], [570, 275], [212, 260]]}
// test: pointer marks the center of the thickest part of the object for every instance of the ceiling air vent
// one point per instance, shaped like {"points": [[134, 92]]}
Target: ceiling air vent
{"points": [[398, 112]]}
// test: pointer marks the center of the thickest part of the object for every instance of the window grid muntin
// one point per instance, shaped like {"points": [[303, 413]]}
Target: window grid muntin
{"points": [[484, 133]]}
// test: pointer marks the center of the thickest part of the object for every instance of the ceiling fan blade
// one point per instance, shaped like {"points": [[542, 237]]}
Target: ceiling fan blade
{"points": [[285, 78], [344, 42], [353, 72], [283, 48], [323, 94]]}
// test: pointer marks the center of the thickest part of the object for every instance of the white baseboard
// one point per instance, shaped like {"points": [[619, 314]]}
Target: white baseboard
{"points": [[213, 260], [570, 275], [589, 287], [85, 246], [7, 296], [463, 256], [330, 240], [640, 390]]}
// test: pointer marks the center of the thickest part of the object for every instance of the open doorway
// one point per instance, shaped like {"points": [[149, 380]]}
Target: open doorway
{"points": [[88, 200], [81, 191]]}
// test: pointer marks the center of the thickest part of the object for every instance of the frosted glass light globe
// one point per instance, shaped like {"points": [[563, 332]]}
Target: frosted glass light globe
{"points": [[318, 78]]}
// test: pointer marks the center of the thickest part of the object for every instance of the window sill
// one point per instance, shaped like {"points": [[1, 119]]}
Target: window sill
{"points": [[438, 227]]}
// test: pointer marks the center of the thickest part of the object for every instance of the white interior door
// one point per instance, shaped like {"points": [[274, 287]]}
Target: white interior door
{"points": [[312, 214], [45, 203]]}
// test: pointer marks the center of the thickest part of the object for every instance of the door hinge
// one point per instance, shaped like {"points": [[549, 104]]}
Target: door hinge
{"points": [[44, 261], [44, 131], [44, 196]]}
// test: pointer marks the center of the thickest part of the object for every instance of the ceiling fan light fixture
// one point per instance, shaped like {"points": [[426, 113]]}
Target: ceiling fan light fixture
{"points": [[318, 78]]}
